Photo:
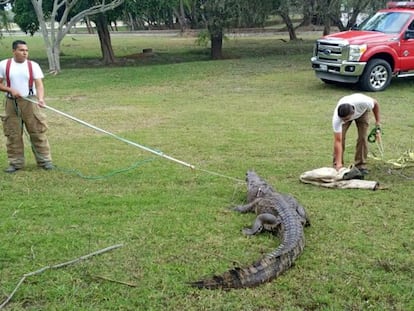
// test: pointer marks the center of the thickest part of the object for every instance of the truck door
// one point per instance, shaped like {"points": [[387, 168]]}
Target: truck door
{"points": [[407, 51]]}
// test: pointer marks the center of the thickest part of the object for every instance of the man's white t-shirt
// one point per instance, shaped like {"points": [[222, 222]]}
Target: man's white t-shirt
{"points": [[19, 75], [360, 102]]}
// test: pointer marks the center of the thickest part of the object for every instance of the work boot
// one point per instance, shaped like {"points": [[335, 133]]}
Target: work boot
{"points": [[353, 173], [48, 166], [11, 169]]}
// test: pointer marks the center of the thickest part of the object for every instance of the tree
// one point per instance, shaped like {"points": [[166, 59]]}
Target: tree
{"points": [[61, 17], [179, 13], [217, 15], [5, 16], [283, 8], [101, 22], [351, 10], [214, 15], [25, 17], [331, 12], [221, 14], [308, 9]]}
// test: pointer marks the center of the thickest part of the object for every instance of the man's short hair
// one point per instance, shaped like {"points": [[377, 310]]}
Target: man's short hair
{"points": [[345, 110], [17, 43]]}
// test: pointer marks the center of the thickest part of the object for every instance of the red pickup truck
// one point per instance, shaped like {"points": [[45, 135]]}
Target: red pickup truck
{"points": [[370, 55]]}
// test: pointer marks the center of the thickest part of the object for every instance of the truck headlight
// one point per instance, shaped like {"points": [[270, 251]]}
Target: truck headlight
{"points": [[356, 51]]}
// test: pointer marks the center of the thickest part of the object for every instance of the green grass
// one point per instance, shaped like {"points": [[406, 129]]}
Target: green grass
{"points": [[261, 108]]}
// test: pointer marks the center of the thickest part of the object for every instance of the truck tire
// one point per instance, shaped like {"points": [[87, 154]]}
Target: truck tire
{"points": [[377, 76]]}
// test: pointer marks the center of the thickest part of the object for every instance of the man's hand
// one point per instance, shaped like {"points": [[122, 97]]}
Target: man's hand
{"points": [[378, 135], [41, 103], [15, 93]]}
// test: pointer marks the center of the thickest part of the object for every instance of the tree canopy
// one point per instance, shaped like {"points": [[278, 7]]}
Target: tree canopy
{"points": [[62, 15], [214, 16]]}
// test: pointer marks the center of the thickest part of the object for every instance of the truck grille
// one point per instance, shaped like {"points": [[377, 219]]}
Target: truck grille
{"points": [[331, 51]]}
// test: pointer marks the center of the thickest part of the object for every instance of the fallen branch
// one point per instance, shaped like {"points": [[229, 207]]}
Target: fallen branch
{"points": [[57, 266], [114, 281]]}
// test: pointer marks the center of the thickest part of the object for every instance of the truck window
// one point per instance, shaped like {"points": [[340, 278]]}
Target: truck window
{"points": [[386, 22]]}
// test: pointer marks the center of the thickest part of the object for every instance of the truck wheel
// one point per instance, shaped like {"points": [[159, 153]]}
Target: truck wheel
{"points": [[377, 76]]}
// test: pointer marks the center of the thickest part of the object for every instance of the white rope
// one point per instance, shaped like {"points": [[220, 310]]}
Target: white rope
{"points": [[159, 153]]}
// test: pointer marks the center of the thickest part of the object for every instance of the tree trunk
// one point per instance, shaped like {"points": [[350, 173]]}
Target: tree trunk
{"points": [[108, 56], [289, 25], [326, 25], [134, 22], [308, 11], [180, 15], [53, 54], [283, 11], [217, 45], [327, 29], [88, 25]]}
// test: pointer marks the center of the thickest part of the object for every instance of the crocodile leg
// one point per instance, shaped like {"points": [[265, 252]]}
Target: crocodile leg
{"points": [[263, 221], [249, 207]]}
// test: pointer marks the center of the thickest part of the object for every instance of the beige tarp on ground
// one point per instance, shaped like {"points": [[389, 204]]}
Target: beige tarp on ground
{"points": [[331, 178]]}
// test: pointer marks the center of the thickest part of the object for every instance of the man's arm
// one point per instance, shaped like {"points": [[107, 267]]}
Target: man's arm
{"points": [[377, 116], [6, 89], [376, 111], [40, 92], [338, 150]]}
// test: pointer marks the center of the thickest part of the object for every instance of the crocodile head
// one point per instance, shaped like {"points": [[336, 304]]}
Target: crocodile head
{"points": [[256, 186]]}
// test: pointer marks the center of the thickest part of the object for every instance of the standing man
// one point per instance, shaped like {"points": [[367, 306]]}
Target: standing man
{"points": [[355, 107], [21, 78]]}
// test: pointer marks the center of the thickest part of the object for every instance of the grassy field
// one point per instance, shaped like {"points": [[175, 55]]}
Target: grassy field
{"points": [[261, 108]]}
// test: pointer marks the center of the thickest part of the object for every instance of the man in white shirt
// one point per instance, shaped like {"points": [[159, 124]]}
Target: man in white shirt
{"points": [[21, 78], [355, 107]]}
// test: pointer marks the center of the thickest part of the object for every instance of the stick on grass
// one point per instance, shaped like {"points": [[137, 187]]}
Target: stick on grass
{"points": [[57, 266]]}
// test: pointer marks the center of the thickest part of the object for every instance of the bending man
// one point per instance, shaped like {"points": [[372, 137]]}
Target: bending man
{"points": [[355, 107]]}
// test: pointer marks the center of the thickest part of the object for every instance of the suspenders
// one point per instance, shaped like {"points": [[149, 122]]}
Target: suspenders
{"points": [[29, 65]]}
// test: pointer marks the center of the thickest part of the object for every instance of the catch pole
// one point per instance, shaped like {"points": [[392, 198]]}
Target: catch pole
{"points": [[158, 153]]}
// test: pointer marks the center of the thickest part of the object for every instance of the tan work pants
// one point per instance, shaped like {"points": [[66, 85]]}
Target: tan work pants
{"points": [[20, 113], [361, 150]]}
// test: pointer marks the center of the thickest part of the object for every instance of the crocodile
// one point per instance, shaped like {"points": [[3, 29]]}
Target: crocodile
{"points": [[278, 213]]}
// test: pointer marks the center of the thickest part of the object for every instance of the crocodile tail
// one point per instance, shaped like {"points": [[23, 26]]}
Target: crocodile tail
{"points": [[258, 273], [229, 279]]}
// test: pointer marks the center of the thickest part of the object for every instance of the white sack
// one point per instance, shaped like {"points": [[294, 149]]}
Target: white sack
{"points": [[331, 178]]}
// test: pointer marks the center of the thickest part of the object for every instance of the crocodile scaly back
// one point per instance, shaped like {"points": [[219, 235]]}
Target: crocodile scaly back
{"points": [[285, 216]]}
